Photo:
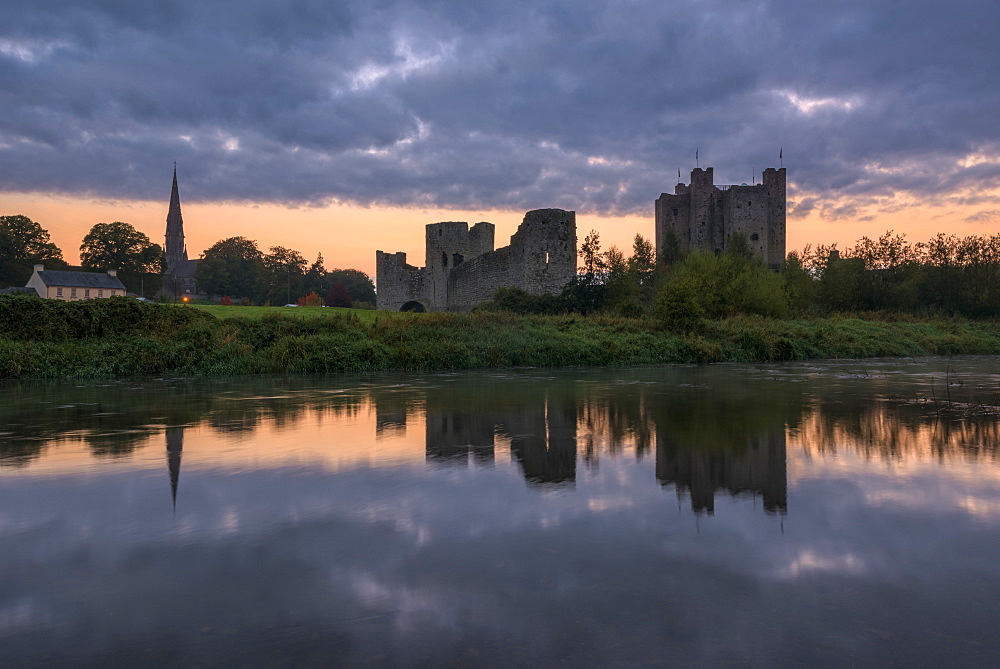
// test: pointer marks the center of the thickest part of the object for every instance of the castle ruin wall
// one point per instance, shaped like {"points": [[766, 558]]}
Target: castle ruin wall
{"points": [[462, 269]]}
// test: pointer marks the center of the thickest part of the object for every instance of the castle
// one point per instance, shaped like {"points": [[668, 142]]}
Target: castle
{"points": [[703, 215], [462, 269]]}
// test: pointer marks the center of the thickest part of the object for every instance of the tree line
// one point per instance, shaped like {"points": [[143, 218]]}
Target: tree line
{"points": [[118, 246], [234, 268], [947, 275], [237, 269]]}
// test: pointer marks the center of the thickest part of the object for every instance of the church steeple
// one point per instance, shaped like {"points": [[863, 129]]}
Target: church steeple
{"points": [[175, 249]]}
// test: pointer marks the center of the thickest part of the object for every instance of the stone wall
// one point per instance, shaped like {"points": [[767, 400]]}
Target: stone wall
{"points": [[476, 281], [462, 269], [399, 283]]}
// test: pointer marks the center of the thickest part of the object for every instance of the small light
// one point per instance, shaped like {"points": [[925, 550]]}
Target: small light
{"points": [[185, 298]]}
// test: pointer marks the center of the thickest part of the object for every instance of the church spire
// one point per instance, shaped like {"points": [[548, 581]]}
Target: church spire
{"points": [[174, 248]]}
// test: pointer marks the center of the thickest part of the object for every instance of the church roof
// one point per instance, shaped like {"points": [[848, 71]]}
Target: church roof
{"points": [[80, 279], [183, 269]]}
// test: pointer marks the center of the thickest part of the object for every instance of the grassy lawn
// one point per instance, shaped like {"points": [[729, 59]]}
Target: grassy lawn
{"points": [[305, 313]]}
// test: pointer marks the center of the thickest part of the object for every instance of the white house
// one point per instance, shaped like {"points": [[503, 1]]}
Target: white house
{"points": [[71, 286]]}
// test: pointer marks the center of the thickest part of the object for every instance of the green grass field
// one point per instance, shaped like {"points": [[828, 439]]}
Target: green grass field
{"points": [[119, 337], [305, 313]]}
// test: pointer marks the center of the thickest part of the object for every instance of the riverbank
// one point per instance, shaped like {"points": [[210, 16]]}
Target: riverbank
{"points": [[124, 338]]}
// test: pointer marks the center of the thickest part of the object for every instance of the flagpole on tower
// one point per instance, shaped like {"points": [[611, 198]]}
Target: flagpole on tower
{"points": [[781, 159], [696, 158]]}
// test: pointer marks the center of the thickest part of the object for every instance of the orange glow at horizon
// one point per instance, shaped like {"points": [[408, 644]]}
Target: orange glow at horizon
{"points": [[348, 236]]}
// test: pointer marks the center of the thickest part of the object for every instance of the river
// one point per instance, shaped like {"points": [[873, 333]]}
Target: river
{"points": [[822, 513]]}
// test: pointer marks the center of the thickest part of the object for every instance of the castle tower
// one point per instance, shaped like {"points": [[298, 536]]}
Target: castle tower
{"points": [[704, 215], [175, 249]]}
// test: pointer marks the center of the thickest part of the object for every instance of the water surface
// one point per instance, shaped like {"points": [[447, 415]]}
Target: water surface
{"points": [[822, 514]]}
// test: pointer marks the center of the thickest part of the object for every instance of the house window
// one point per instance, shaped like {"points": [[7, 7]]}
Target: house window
{"points": [[86, 292], [100, 292], [72, 293], [59, 291]]}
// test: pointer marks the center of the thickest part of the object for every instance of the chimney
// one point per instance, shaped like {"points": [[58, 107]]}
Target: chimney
{"points": [[113, 272], [39, 268]]}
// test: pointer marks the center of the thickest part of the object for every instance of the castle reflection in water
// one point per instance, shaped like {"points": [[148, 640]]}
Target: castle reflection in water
{"points": [[547, 432], [703, 432]]}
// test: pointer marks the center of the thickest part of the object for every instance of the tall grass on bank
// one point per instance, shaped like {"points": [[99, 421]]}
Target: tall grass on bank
{"points": [[121, 338]]}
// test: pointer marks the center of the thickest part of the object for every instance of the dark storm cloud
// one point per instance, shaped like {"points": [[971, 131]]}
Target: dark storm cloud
{"points": [[482, 104]]}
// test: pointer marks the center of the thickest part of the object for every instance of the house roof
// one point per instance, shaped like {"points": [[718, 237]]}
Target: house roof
{"points": [[80, 279], [16, 290]]}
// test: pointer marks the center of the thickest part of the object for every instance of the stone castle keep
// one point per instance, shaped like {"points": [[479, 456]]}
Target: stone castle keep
{"points": [[704, 215], [462, 269]]}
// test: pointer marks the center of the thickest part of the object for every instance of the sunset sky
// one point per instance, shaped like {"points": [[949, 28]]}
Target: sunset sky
{"points": [[344, 127]]}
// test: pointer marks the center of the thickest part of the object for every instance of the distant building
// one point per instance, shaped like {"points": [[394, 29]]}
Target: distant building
{"points": [[72, 286], [178, 280], [16, 290], [462, 269], [703, 215]]}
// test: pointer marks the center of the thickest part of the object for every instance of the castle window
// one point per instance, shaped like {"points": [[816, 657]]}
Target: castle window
{"points": [[675, 212], [754, 237], [749, 204], [546, 257], [444, 259], [456, 259]]}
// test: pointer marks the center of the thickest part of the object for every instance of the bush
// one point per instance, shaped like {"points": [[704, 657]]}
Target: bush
{"points": [[677, 306], [310, 300], [730, 284]]}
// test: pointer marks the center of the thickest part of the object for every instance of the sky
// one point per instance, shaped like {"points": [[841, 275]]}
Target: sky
{"points": [[344, 127]]}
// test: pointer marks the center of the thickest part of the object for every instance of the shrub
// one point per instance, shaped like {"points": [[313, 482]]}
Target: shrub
{"points": [[311, 300]]}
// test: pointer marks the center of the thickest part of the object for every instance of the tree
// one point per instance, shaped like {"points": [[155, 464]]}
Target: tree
{"points": [[284, 270], [722, 286], [800, 286], [310, 300], [231, 266], [643, 260], [339, 296], [358, 284], [671, 252], [23, 243], [315, 279], [119, 246], [593, 261]]}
